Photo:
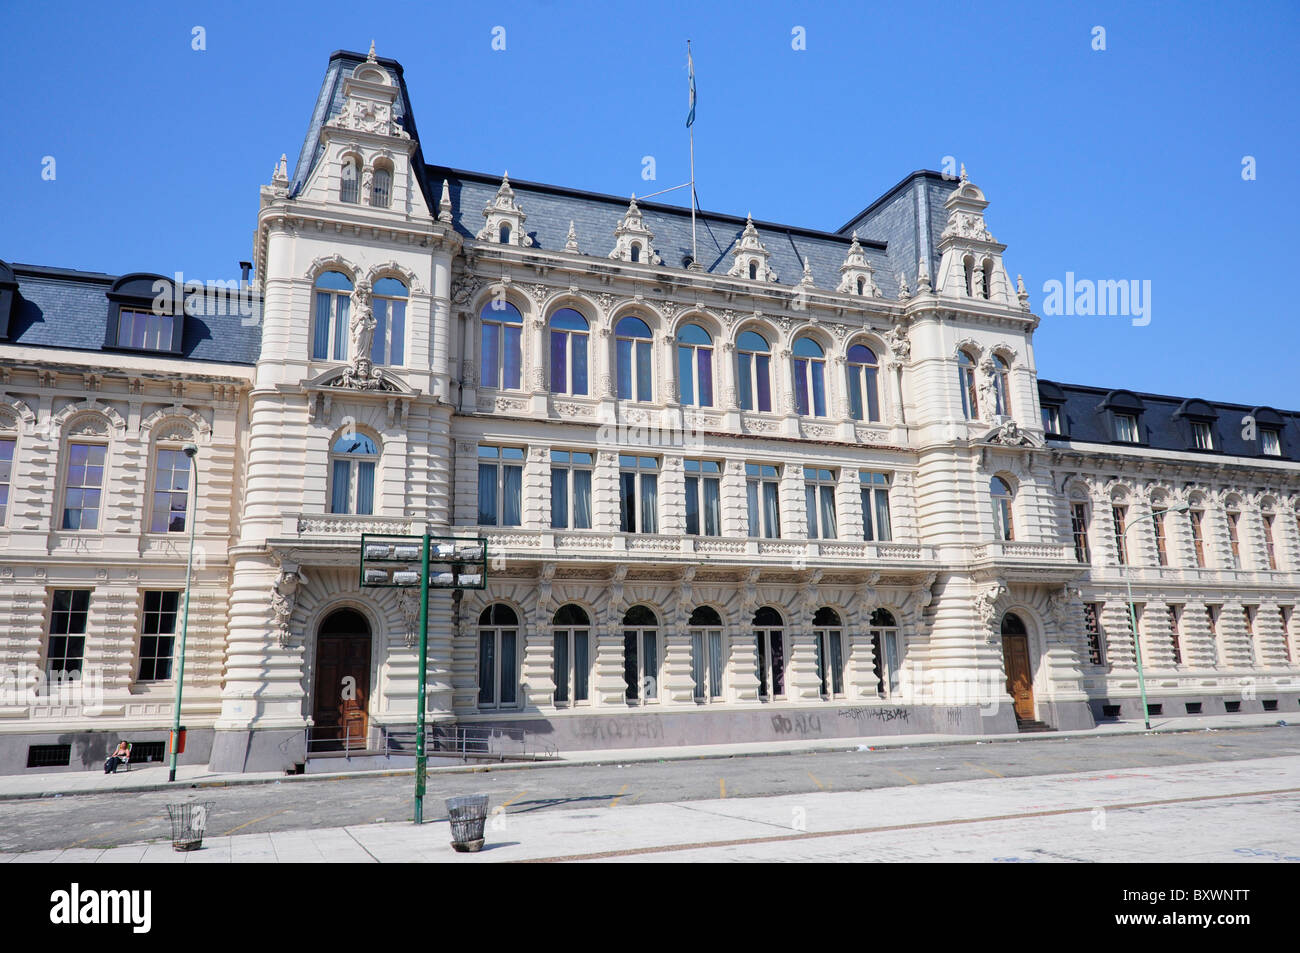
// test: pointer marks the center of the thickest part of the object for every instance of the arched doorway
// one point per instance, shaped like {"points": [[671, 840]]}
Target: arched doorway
{"points": [[1020, 674], [342, 682]]}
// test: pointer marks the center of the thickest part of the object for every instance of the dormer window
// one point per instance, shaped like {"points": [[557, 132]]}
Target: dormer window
{"points": [[504, 235], [349, 182], [1270, 442], [1124, 410], [146, 313], [1202, 437], [143, 330], [1126, 428], [1051, 420]]}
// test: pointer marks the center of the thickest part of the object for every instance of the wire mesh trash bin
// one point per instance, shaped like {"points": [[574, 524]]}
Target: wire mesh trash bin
{"points": [[189, 821], [467, 815]]}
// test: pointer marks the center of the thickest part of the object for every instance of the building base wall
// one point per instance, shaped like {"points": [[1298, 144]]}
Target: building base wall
{"points": [[1175, 706], [268, 749], [91, 748], [1068, 716]]}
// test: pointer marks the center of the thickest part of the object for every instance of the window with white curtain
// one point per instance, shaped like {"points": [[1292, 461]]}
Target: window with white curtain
{"points": [[864, 389], [389, 309], [571, 656], [171, 491], [703, 497], [763, 500], [501, 359], [353, 459], [7, 445], [638, 498], [886, 650], [498, 657], [500, 486], [695, 366], [769, 644], [640, 656], [828, 635], [819, 497], [875, 506], [1001, 496], [970, 407], [329, 334], [571, 473], [635, 367], [350, 181], [1001, 386], [707, 661], [754, 372], [809, 378], [569, 337], [381, 188]]}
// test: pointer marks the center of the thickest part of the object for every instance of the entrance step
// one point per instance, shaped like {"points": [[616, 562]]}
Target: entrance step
{"points": [[1025, 725]]}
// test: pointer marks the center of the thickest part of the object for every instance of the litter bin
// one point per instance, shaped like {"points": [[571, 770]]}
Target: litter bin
{"points": [[468, 815], [189, 821]]}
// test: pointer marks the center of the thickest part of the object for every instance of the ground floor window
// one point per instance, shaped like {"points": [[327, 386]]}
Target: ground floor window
{"points": [[157, 634], [571, 662], [769, 641], [707, 661], [886, 650], [828, 633], [498, 657], [641, 655]]}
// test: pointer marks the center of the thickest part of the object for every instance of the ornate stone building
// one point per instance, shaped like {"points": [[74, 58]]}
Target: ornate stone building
{"points": [[809, 485]]}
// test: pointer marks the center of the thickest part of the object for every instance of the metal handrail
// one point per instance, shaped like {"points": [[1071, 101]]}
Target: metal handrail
{"points": [[466, 740]]}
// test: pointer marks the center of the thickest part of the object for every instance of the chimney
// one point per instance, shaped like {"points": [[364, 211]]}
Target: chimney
{"points": [[245, 267]]}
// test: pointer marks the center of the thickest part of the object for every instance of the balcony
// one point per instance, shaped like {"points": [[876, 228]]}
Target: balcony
{"points": [[338, 525]]}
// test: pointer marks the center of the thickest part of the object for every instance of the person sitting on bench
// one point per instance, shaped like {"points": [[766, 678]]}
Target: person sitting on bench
{"points": [[121, 755]]}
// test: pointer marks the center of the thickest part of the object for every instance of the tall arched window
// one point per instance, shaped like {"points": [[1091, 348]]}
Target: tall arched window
{"points": [[632, 341], [352, 474], [966, 384], [809, 378], [988, 277], [634, 252], [502, 357], [864, 394], [754, 371], [753, 271], [504, 234], [1001, 495], [329, 336], [1001, 386], [769, 641], [498, 657], [695, 366], [707, 660], [171, 491], [640, 655], [828, 632], [569, 336], [968, 265], [349, 181], [886, 651], [381, 188], [571, 661], [389, 306]]}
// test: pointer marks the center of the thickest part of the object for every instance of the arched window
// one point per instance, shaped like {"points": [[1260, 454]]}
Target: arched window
{"points": [[8, 443], [886, 652], [498, 657], [502, 358], [864, 395], [970, 407], [632, 341], [635, 252], [640, 655], [569, 336], [571, 661], [171, 491], [769, 641], [1001, 495], [707, 660], [389, 307], [381, 188], [753, 371], [809, 378], [1233, 514], [352, 474], [753, 271], [988, 277], [329, 336], [968, 265], [862, 284], [504, 234], [349, 181], [828, 632], [1001, 386], [695, 366]]}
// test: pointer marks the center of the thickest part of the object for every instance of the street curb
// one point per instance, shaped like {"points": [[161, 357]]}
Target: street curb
{"points": [[632, 759]]}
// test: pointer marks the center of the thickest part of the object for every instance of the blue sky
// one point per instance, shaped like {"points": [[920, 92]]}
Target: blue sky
{"points": [[1117, 164]]}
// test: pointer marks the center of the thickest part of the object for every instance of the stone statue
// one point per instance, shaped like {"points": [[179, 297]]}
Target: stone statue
{"points": [[363, 323]]}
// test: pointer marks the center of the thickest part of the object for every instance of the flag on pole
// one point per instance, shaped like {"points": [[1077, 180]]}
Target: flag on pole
{"points": [[690, 68]]}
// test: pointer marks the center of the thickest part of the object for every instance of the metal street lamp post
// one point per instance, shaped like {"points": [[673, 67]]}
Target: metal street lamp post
{"points": [[1132, 609], [192, 451]]}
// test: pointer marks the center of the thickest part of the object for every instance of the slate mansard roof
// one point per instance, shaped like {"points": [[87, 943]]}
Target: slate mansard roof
{"points": [[1164, 423], [63, 309]]}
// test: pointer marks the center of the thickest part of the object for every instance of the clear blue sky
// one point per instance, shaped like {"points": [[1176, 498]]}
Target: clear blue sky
{"points": [[1117, 164]]}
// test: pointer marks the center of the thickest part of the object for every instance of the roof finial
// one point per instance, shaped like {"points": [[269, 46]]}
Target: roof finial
{"points": [[922, 276], [964, 177], [571, 240], [444, 204], [371, 57]]}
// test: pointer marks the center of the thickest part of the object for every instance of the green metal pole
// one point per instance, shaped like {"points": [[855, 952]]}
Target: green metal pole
{"points": [[1137, 648], [185, 618], [421, 764]]}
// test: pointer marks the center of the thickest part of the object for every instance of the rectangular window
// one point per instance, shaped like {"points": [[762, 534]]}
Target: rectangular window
{"points": [[1079, 527], [157, 635], [1285, 614], [819, 498], [1249, 613], [500, 486], [1092, 626], [69, 612], [1233, 539], [1126, 428], [1051, 419], [6, 475], [388, 346], [1158, 526], [571, 665], [1175, 612], [875, 506], [1212, 620], [498, 675], [571, 489], [640, 665], [707, 662], [81, 500], [638, 496], [703, 498], [1196, 518], [762, 496], [1121, 545], [1270, 443], [171, 492], [144, 330], [1202, 437], [830, 661], [1269, 548], [329, 334]]}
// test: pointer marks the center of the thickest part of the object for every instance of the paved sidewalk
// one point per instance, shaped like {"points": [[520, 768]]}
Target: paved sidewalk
{"points": [[68, 783], [1203, 813]]}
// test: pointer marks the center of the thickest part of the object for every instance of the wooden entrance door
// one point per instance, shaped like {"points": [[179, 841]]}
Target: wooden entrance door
{"points": [[342, 682], [1020, 681]]}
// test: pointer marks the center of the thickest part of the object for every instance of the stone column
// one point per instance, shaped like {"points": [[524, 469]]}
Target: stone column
{"points": [[672, 393], [1270, 637], [1157, 636], [1236, 650], [672, 496], [608, 689], [537, 673], [1199, 650], [802, 682], [1118, 632], [848, 505]]}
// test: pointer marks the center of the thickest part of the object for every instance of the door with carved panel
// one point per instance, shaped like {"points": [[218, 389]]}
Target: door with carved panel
{"points": [[342, 682], [1020, 676]]}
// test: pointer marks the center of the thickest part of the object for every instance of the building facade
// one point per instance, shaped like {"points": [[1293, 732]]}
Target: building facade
{"points": [[808, 485]]}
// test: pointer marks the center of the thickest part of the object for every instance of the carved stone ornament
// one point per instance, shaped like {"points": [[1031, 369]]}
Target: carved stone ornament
{"points": [[409, 606], [986, 603], [284, 598], [1009, 434]]}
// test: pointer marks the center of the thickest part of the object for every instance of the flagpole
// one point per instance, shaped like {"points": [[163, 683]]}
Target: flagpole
{"points": [[690, 127]]}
